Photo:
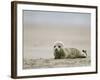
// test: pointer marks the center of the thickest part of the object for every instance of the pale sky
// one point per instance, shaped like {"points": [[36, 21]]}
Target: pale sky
{"points": [[57, 19]]}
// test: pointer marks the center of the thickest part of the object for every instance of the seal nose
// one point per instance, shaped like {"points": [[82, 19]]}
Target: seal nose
{"points": [[56, 49]]}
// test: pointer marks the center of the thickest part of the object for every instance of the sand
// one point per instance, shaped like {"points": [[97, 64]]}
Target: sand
{"points": [[55, 63]]}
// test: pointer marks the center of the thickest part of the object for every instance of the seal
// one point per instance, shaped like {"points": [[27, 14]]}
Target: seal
{"points": [[63, 53]]}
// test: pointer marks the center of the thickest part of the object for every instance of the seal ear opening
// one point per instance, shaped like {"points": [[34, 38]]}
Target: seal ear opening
{"points": [[84, 51]]}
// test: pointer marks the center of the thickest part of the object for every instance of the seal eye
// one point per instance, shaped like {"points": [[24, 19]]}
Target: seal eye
{"points": [[59, 46], [54, 46]]}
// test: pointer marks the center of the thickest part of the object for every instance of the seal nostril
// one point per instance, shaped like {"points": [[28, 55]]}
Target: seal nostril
{"points": [[56, 49]]}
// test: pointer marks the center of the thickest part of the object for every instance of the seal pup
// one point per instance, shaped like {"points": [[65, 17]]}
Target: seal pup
{"points": [[60, 52]]}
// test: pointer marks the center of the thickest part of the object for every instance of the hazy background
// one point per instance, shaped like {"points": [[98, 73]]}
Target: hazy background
{"points": [[41, 29]]}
